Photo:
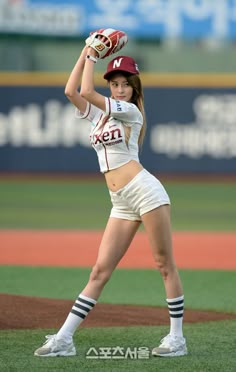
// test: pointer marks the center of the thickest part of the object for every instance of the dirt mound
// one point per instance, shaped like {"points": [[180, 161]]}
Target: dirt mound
{"points": [[23, 312]]}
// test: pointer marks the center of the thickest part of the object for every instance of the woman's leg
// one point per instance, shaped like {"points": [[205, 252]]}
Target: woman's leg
{"points": [[158, 227], [115, 242], [116, 239]]}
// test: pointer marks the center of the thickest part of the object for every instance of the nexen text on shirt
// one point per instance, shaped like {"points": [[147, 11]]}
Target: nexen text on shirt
{"points": [[108, 132], [105, 136]]}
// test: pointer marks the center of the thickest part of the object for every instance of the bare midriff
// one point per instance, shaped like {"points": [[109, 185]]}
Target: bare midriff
{"points": [[119, 177]]}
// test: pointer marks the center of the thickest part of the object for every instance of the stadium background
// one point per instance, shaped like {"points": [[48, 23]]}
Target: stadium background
{"points": [[51, 191]]}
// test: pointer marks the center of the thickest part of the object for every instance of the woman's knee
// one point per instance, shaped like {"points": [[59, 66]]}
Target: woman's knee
{"points": [[100, 274], [164, 265]]}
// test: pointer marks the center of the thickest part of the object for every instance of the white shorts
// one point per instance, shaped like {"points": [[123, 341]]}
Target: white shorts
{"points": [[141, 195]]}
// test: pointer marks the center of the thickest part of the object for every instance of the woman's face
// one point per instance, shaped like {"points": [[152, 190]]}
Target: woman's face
{"points": [[120, 88]]}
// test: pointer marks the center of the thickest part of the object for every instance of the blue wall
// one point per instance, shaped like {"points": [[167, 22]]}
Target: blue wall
{"points": [[190, 130]]}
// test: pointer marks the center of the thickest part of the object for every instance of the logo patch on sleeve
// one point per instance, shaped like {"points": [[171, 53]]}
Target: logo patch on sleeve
{"points": [[118, 106]]}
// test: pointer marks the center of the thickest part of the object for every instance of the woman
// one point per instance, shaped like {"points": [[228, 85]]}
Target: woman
{"points": [[117, 131]]}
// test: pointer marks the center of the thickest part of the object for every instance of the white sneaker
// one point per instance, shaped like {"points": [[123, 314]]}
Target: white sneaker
{"points": [[53, 347], [171, 346]]}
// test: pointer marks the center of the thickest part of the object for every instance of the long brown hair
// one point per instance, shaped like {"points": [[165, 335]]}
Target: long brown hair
{"points": [[138, 100]]}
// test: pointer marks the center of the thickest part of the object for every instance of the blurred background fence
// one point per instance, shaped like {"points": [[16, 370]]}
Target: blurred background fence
{"points": [[185, 51]]}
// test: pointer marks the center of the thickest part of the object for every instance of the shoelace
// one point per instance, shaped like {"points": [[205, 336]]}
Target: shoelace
{"points": [[168, 340], [165, 339], [48, 338]]}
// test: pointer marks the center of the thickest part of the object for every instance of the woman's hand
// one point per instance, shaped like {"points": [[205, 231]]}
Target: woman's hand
{"points": [[92, 52], [84, 51]]}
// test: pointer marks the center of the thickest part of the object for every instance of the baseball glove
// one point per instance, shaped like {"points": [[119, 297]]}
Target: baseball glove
{"points": [[114, 41]]}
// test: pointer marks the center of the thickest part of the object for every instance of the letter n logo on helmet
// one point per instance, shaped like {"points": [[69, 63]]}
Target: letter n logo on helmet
{"points": [[117, 62]]}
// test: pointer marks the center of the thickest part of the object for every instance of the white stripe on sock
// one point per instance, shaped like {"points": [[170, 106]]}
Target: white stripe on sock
{"points": [[83, 304], [169, 300], [88, 299]]}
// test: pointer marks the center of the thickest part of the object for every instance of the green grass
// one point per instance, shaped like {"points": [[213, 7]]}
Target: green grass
{"points": [[76, 204], [211, 348], [203, 206], [53, 205], [57, 204], [211, 345], [209, 290]]}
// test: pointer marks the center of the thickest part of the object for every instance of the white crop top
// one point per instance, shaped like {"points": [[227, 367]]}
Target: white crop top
{"points": [[107, 135]]}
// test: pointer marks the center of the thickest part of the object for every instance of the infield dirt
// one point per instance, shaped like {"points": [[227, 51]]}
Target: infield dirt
{"points": [[73, 248]]}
